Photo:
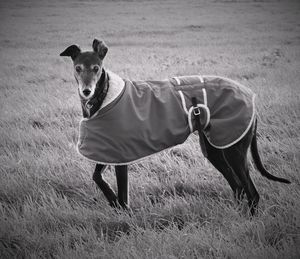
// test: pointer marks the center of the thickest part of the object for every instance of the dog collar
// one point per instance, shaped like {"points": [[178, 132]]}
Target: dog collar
{"points": [[91, 106]]}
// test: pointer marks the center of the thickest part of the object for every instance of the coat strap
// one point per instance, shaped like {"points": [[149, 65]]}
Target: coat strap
{"points": [[199, 128]]}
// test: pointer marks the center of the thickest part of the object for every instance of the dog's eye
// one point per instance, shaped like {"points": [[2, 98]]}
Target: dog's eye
{"points": [[96, 69], [78, 69]]}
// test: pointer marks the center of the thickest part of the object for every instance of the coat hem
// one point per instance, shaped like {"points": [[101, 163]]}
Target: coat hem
{"points": [[243, 134], [124, 163]]}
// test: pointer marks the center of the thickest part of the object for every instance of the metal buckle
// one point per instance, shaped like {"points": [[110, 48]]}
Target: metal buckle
{"points": [[89, 106], [196, 111]]}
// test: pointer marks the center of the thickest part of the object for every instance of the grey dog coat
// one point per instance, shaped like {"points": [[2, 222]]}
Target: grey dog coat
{"points": [[150, 116]]}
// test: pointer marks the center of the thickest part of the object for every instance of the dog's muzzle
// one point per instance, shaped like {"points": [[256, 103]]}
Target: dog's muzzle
{"points": [[86, 92]]}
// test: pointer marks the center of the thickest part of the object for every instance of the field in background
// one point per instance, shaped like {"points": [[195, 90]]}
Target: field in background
{"points": [[181, 206]]}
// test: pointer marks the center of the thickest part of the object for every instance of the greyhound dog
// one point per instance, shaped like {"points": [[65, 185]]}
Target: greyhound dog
{"points": [[117, 128]]}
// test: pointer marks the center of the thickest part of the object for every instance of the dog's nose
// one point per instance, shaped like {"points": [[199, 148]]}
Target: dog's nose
{"points": [[86, 92]]}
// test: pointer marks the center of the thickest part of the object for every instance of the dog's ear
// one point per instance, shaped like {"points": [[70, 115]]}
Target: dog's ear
{"points": [[100, 48], [73, 51]]}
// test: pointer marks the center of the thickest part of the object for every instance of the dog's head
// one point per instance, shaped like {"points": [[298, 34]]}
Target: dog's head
{"points": [[87, 66]]}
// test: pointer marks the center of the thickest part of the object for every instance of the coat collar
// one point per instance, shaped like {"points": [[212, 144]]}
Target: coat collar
{"points": [[107, 90]]}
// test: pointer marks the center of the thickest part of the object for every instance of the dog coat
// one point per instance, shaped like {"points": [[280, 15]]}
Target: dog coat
{"points": [[150, 116]]}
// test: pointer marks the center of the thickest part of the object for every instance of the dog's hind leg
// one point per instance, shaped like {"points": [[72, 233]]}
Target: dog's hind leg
{"points": [[236, 157], [122, 182], [104, 186], [239, 165], [216, 157]]}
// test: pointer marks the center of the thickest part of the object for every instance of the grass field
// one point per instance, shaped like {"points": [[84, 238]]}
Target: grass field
{"points": [[181, 206]]}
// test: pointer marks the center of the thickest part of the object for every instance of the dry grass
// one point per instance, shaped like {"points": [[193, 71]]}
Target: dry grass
{"points": [[181, 206]]}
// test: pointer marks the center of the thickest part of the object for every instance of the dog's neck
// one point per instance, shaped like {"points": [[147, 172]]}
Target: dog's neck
{"points": [[92, 105], [108, 88]]}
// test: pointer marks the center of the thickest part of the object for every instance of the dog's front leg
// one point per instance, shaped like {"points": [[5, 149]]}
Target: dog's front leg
{"points": [[104, 186], [122, 182]]}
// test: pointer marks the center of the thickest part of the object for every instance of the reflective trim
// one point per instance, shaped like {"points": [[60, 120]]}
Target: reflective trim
{"points": [[201, 79], [204, 96], [183, 102], [177, 80]]}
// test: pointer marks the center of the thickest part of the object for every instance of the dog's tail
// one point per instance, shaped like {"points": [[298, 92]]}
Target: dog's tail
{"points": [[258, 162]]}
